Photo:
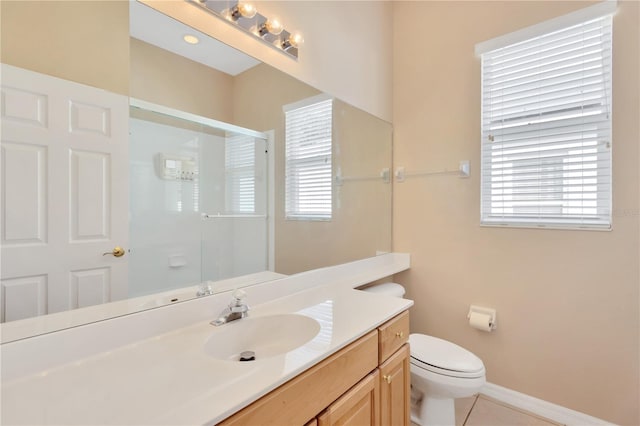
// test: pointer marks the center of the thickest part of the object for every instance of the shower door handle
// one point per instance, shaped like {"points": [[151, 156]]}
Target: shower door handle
{"points": [[116, 252]]}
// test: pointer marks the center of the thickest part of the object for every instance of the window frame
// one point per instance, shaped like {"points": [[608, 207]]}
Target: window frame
{"points": [[323, 142], [602, 219]]}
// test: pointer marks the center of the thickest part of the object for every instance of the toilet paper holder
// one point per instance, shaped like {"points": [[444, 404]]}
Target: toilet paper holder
{"points": [[484, 311]]}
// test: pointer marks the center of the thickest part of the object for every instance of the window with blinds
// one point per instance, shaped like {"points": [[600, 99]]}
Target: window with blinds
{"points": [[240, 170], [546, 129], [308, 183]]}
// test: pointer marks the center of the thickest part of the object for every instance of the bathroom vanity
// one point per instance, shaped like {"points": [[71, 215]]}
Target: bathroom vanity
{"points": [[331, 353], [365, 383]]}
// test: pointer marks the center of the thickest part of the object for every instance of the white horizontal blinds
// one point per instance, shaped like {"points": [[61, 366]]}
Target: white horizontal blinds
{"points": [[546, 129], [308, 161], [240, 167]]}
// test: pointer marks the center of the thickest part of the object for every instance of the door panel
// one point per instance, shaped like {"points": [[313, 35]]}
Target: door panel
{"points": [[89, 119], [90, 287], [24, 297], [24, 106], [64, 194], [89, 191], [23, 187]]}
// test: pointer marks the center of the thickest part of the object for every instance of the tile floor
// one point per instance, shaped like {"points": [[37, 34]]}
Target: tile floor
{"points": [[480, 410]]}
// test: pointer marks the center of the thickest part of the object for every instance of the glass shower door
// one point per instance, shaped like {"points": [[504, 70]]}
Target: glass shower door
{"points": [[234, 219], [198, 202]]}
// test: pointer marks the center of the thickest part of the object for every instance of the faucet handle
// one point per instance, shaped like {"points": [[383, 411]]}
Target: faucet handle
{"points": [[239, 294], [205, 288], [238, 305]]}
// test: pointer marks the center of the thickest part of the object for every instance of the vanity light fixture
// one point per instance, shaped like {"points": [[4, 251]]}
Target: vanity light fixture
{"points": [[245, 16]]}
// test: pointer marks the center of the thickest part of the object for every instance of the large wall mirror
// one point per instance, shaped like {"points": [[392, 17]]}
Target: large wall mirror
{"points": [[197, 140]]}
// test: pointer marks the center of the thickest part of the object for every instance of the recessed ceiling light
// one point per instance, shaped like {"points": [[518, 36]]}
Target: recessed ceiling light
{"points": [[191, 39]]}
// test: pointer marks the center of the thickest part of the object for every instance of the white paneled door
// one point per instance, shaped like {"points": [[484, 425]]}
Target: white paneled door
{"points": [[64, 200]]}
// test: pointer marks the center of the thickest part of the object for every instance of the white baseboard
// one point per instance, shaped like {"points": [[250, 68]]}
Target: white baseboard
{"points": [[540, 407]]}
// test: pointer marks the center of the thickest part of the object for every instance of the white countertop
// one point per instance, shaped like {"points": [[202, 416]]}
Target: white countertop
{"points": [[169, 379]]}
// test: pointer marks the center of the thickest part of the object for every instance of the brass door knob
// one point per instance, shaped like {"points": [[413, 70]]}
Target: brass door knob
{"points": [[117, 252], [400, 334], [387, 378]]}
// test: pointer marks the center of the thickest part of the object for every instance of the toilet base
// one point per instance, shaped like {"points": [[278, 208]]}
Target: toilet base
{"points": [[434, 412], [434, 394]]}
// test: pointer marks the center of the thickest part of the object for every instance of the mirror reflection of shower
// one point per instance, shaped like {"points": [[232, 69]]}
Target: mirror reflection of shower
{"points": [[198, 200]]}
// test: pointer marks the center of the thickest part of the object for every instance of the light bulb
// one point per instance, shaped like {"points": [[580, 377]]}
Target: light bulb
{"points": [[274, 26], [294, 40], [247, 10], [271, 26], [243, 10]]}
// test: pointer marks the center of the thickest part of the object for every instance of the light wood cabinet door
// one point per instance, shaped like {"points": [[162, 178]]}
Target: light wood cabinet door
{"points": [[395, 389], [358, 407]]}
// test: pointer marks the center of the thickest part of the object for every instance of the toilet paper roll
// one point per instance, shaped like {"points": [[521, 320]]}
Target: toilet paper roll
{"points": [[480, 321]]}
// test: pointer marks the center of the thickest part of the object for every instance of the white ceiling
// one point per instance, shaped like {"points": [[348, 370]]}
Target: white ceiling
{"points": [[153, 27]]}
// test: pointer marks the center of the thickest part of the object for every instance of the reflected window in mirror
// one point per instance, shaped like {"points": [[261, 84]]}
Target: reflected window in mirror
{"points": [[308, 168], [240, 166]]}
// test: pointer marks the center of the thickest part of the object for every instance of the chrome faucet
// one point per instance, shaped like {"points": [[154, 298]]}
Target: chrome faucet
{"points": [[236, 310]]}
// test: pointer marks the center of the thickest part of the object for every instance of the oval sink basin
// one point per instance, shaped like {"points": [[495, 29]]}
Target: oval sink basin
{"points": [[265, 336]]}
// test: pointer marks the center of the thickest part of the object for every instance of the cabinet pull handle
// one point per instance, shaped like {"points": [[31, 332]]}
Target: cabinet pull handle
{"points": [[400, 334], [387, 378]]}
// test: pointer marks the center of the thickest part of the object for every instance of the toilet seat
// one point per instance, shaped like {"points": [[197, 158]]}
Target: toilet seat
{"points": [[442, 357]]}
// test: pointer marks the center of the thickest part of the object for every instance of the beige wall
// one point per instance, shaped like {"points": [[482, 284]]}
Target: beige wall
{"points": [[567, 301], [362, 147], [85, 42], [347, 48], [165, 78]]}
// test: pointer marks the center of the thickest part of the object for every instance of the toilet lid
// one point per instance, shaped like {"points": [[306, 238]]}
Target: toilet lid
{"points": [[444, 357]]}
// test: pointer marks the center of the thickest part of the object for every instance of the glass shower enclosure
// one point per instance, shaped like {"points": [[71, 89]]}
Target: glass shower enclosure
{"points": [[198, 200]]}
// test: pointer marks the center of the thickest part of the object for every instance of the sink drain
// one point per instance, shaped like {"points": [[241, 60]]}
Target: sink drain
{"points": [[247, 356]]}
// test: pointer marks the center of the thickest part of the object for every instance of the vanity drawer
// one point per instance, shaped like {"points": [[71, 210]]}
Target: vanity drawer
{"points": [[392, 335]]}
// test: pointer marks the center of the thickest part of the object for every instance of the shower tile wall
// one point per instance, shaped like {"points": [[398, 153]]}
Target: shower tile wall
{"points": [[171, 245]]}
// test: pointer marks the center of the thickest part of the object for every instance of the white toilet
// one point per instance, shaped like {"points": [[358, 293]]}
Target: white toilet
{"points": [[440, 372]]}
